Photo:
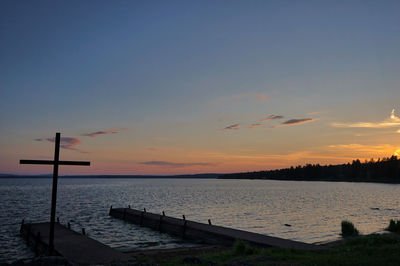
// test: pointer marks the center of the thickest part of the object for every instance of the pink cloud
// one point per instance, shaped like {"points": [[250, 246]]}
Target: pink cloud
{"points": [[255, 125], [66, 143]]}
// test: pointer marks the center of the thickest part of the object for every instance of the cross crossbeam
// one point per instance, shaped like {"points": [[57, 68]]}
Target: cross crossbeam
{"points": [[52, 162], [56, 162]]}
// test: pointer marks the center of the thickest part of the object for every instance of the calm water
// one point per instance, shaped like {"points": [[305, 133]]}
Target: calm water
{"points": [[314, 209]]}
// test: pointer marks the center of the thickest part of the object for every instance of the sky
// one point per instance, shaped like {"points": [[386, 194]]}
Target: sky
{"points": [[185, 87]]}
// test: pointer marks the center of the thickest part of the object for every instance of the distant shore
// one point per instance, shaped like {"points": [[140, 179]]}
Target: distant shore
{"points": [[328, 179], [385, 170]]}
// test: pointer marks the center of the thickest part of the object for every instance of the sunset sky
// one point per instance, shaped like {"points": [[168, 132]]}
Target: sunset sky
{"points": [[183, 87]]}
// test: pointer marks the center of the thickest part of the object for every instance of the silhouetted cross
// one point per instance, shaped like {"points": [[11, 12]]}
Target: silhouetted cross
{"points": [[55, 164]]}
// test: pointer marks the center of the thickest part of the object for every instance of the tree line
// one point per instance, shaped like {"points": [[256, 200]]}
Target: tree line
{"points": [[386, 170]]}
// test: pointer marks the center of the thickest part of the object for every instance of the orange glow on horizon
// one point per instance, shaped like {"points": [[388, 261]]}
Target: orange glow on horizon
{"points": [[212, 162]]}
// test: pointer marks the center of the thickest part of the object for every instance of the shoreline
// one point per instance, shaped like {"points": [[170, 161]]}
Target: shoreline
{"points": [[372, 249]]}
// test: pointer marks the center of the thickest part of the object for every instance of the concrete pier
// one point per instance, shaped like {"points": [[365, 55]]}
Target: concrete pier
{"points": [[75, 247], [206, 233]]}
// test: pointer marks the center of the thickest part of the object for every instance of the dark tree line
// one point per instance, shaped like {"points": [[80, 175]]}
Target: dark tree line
{"points": [[386, 170]]}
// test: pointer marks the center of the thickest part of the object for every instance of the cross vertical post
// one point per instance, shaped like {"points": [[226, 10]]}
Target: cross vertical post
{"points": [[55, 164], [54, 192]]}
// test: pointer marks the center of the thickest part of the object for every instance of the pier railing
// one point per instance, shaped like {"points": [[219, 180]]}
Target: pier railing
{"points": [[201, 232]]}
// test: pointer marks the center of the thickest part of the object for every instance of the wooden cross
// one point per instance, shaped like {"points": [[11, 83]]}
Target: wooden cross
{"points": [[56, 162]]}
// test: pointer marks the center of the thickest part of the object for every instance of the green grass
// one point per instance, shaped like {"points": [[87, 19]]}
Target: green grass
{"points": [[242, 248], [363, 250], [366, 250]]}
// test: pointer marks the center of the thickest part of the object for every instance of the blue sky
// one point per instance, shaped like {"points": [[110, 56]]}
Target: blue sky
{"points": [[169, 76]]}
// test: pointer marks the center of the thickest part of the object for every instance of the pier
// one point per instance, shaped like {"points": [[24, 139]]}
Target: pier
{"points": [[200, 232], [83, 250], [77, 248]]}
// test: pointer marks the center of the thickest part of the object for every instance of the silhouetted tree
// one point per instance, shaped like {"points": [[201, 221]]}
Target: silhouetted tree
{"points": [[381, 170]]}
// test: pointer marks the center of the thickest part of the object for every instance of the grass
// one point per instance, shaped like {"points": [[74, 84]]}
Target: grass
{"points": [[394, 226], [242, 248], [348, 229], [363, 250]]}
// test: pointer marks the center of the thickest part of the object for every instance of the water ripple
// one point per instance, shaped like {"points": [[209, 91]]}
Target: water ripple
{"points": [[313, 209]]}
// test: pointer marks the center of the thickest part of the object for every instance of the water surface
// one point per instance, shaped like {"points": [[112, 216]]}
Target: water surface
{"points": [[313, 209]]}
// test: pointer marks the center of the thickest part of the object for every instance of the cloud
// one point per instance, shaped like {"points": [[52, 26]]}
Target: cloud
{"points": [[380, 150], [106, 132], [366, 125], [394, 117], [392, 121], [97, 133], [65, 143], [271, 117], [173, 164], [297, 121], [234, 126], [255, 125], [340, 153], [291, 122], [361, 147], [293, 157]]}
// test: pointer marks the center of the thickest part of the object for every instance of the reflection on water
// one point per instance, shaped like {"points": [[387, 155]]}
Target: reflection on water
{"points": [[313, 209]]}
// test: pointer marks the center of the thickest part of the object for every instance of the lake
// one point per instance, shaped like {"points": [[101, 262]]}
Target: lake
{"points": [[313, 209]]}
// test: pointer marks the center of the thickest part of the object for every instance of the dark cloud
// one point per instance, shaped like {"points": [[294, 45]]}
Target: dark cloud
{"points": [[297, 121], [234, 126], [271, 117], [65, 142], [173, 164], [106, 132]]}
